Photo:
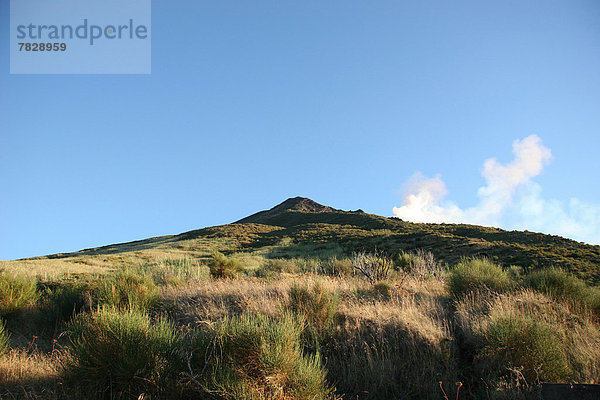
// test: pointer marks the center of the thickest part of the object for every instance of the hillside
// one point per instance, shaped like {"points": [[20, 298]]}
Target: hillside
{"points": [[303, 301], [299, 222]]}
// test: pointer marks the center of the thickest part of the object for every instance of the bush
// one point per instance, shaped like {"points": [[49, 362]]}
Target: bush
{"points": [[518, 340], [317, 307], [124, 351], [276, 267], [130, 289], [559, 285], [316, 304], [403, 261], [16, 293], [477, 274], [255, 357], [3, 340], [526, 345], [222, 266]]}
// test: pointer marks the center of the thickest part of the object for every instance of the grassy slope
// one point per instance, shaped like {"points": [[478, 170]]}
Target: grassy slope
{"points": [[307, 223], [405, 321]]}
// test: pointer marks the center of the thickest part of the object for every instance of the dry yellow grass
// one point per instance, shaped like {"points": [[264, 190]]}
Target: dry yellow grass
{"points": [[414, 305], [30, 374], [54, 269], [574, 329]]}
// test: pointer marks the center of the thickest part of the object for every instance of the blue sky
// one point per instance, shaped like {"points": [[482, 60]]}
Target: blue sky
{"points": [[250, 103]]}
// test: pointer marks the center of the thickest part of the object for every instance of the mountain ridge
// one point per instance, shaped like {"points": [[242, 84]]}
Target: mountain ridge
{"points": [[306, 222]]}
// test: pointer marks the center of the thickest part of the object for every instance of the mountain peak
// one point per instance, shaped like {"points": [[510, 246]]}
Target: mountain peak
{"points": [[301, 204], [298, 204]]}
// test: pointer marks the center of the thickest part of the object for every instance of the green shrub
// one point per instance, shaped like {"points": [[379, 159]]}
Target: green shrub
{"points": [[315, 303], [124, 351], [403, 261], [16, 293], [477, 274], [255, 357], [222, 266], [560, 285], [3, 339], [67, 298], [525, 344], [129, 288], [275, 267], [317, 307]]}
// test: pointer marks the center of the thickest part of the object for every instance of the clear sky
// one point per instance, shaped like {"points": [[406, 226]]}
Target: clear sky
{"points": [[252, 102]]}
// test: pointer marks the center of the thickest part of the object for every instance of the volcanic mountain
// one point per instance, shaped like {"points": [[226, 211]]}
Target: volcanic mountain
{"points": [[301, 224]]}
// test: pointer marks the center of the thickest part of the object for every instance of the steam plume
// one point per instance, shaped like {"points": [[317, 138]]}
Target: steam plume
{"points": [[510, 199]]}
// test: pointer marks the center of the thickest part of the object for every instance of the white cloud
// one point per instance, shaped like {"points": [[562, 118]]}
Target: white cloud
{"points": [[510, 199]]}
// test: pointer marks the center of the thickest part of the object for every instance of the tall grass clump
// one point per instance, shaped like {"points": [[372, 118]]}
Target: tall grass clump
{"points": [[372, 360], [526, 345], [3, 339], [560, 285], [222, 266], [255, 357], [514, 342], [129, 288], [61, 301], [177, 272], [123, 351], [421, 265], [476, 274], [335, 266], [316, 306], [16, 293]]}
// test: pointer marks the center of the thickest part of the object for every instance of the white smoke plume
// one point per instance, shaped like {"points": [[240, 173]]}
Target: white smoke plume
{"points": [[510, 199]]}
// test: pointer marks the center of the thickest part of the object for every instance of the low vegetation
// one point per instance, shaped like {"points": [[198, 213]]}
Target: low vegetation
{"points": [[478, 275], [255, 357], [123, 351], [222, 266], [560, 285], [16, 293], [316, 305]]}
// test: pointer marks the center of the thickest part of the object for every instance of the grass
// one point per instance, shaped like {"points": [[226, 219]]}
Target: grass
{"points": [[130, 288], [338, 266], [316, 306], [478, 274], [300, 322], [275, 267], [16, 293], [177, 271], [256, 358], [525, 344], [222, 266], [3, 340], [520, 340], [560, 285], [124, 351]]}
